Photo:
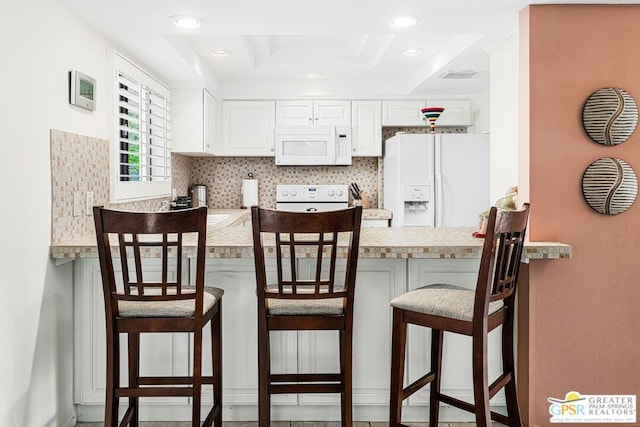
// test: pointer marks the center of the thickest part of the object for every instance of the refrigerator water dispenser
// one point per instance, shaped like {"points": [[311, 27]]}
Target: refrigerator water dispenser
{"points": [[416, 204]]}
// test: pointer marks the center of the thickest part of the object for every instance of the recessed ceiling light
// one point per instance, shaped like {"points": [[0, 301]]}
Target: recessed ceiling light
{"points": [[403, 22], [313, 75], [412, 52], [221, 52], [184, 21]]}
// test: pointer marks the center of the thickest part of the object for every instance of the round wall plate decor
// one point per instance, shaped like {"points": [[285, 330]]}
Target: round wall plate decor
{"points": [[610, 116], [609, 186]]}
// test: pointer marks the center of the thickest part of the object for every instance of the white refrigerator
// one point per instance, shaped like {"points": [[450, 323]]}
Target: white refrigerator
{"points": [[438, 180]]}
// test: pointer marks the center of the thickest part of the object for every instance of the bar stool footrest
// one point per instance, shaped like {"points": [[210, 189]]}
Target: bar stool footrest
{"points": [[466, 406]]}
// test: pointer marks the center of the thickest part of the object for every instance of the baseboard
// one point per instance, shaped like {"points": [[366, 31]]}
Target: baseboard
{"points": [[95, 413]]}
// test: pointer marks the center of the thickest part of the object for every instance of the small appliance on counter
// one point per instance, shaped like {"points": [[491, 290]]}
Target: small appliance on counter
{"points": [[181, 202], [198, 195], [249, 192]]}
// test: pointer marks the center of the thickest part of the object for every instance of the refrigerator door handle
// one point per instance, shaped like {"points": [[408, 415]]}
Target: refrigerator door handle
{"points": [[438, 199], [438, 180]]}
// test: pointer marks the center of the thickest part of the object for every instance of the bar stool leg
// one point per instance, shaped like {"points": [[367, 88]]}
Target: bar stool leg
{"points": [[481, 380], [134, 373], [264, 371], [508, 365], [216, 346], [346, 397], [197, 378], [437, 338], [398, 341], [113, 379]]}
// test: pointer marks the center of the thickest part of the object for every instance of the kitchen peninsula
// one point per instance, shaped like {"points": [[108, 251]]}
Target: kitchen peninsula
{"points": [[392, 261], [231, 238]]}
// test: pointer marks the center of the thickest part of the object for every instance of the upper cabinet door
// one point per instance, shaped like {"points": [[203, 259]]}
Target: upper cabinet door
{"points": [[402, 113], [248, 128], [325, 112], [193, 116], [209, 104], [294, 112], [366, 128], [332, 113], [457, 112]]}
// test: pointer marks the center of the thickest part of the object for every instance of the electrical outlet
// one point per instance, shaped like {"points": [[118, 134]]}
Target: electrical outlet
{"points": [[89, 205], [174, 194], [77, 203]]}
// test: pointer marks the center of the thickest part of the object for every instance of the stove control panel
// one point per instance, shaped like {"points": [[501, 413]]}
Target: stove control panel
{"points": [[308, 193]]}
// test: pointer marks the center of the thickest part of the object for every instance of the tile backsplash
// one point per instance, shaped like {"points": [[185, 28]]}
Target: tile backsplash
{"points": [[81, 163], [223, 177]]}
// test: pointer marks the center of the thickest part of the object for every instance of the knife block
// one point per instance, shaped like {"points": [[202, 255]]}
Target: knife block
{"points": [[363, 201]]}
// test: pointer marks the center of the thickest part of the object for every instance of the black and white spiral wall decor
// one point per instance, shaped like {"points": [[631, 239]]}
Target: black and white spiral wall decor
{"points": [[610, 116], [609, 185]]}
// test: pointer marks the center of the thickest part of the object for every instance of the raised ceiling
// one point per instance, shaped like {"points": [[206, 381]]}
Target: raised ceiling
{"points": [[276, 43]]}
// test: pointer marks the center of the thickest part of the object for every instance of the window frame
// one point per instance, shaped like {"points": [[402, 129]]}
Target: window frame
{"points": [[126, 191]]}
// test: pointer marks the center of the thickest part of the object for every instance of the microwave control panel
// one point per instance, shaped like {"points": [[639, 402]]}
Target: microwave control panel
{"points": [[343, 145]]}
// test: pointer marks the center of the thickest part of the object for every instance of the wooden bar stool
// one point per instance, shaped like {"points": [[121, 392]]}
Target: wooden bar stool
{"points": [[448, 308], [321, 301], [134, 305]]}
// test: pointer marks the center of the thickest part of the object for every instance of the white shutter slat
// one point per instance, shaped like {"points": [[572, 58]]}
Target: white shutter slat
{"points": [[144, 117]]}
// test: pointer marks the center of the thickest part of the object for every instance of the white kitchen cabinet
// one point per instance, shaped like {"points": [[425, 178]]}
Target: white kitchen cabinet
{"points": [[457, 112], [402, 113], [160, 354], [240, 335], [305, 351], [456, 369], [377, 283], [366, 128], [248, 129], [307, 112], [193, 116]]}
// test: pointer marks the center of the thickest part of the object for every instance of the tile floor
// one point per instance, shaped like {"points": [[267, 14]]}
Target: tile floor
{"points": [[285, 424]]}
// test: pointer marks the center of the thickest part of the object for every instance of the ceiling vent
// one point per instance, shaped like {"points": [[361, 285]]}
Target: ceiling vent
{"points": [[459, 74]]}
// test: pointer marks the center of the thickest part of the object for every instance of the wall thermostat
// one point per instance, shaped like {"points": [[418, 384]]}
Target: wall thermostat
{"points": [[82, 90]]}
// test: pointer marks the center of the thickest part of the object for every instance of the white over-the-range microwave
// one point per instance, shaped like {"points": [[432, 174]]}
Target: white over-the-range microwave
{"points": [[313, 145]]}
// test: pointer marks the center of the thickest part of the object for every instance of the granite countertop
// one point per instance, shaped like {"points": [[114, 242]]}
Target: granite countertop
{"points": [[394, 242], [376, 214], [229, 239]]}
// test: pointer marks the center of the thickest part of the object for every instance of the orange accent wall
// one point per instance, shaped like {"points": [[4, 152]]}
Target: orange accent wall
{"points": [[584, 313]]}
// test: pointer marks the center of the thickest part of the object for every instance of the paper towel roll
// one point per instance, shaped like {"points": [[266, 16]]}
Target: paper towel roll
{"points": [[249, 193]]}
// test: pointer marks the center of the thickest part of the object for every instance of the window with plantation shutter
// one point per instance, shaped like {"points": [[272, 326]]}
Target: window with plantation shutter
{"points": [[142, 153]]}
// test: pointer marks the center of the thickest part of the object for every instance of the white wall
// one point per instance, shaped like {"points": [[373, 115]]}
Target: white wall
{"points": [[481, 112], [504, 118], [40, 42]]}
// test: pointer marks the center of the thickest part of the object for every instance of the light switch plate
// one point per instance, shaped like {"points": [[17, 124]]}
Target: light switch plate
{"points": [[89, 205], [77, 203]]}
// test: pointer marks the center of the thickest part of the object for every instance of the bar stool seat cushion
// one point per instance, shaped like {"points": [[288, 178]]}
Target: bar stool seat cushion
{"points": [[300, 307], [454, 302], [177, 308]]}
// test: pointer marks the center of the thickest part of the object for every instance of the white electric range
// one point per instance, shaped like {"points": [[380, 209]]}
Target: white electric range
{"points": [[311, 198]]}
